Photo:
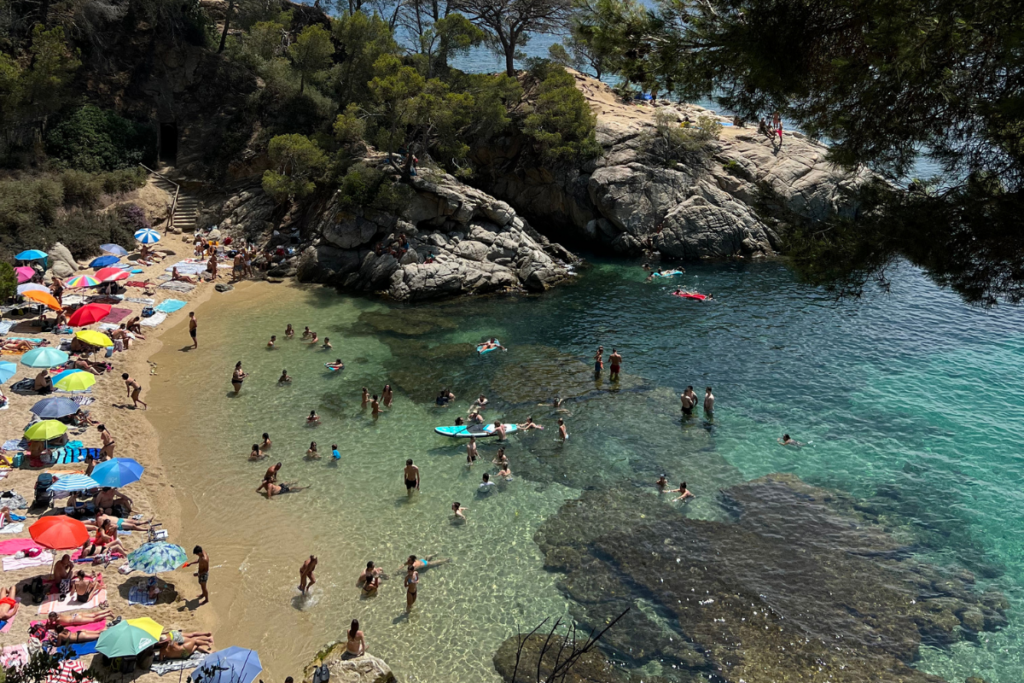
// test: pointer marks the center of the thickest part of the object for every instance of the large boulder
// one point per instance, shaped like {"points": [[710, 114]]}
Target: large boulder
{"points": [[363, 669], [62, 263]]}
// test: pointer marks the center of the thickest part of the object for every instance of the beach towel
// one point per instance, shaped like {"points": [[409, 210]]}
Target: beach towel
{"points": [[145, 301], [34, 340], [116, 315], [170, 306], [113, 556], [6, 325], [15, 544], [14, 528], [154, 320], [83, 400], [12, 565], [6, 628], [176, 286], [189, 267], [135, 271], [14, 656], [14, 445], [108, 327], [162, 668], [136, 283], [76, 650], [95, 626], [138, 595], [70, 604]]}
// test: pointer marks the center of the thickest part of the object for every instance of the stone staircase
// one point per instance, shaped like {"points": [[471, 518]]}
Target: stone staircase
{"points": [[184, 208]]}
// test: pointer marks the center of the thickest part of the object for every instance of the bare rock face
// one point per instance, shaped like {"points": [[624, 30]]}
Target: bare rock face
{"points": [[363, 669], [460, 241], [626, 201]]}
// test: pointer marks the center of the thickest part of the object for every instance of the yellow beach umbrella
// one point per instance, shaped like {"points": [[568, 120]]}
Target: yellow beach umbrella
{"points": [[76, 381], [44, 430], [94, 338], [148, 625]]}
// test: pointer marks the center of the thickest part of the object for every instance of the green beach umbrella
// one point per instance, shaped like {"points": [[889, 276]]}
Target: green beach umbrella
{"points": [[45, 430], [124, 640], [154, 558], [77, 381]]}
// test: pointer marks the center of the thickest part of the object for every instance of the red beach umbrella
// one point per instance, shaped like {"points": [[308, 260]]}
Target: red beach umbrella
{"points": [[59, 532], [111, 274], [89, 314]]}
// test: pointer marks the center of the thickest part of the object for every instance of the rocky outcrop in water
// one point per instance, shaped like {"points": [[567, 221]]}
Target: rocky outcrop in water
{"points": [[363, 669], [628, 200], [794, 587], [461, 241]]}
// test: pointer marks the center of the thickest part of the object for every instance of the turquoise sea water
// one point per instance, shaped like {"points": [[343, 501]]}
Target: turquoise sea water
{"points": [[909, 400]]}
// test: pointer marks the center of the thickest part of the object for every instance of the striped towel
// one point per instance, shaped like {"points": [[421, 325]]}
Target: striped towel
{"points": [[12, 565]]}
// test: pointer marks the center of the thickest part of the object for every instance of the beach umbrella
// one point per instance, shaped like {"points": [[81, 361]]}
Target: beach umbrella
{"points": [[233, 665], [111, 274], [45, 430], [103, 261], [115, 249], [78, 381], [147, 236], [89, 314], [148, 625], [7, 371], [31, 255], [59, 532], [54, 408], [58, 377], [94, 338], [32, 287], [117, 472], [44, 357], [24, 273], [157, 557], [44, 298], [80, 281], [124, 640], [74, 482]]}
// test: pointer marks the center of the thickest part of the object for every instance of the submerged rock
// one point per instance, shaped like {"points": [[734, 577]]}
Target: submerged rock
{"points": [[591, 667], [363, 669], [793, 589]]}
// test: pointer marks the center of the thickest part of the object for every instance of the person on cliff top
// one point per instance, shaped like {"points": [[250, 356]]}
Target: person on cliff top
{"points": [[683, 492], [203, 573], [615, 360], [306, 578], [355, 644]]}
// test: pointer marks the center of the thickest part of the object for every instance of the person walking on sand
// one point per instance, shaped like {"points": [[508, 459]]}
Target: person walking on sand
{"points": [[192, 325], [709, 403], [306, 578], [237, 377], [134, 389], [203, 573], [615, 360], [412, 477]]}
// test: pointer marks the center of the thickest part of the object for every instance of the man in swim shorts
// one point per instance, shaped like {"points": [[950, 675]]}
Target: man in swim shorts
{"points": [[192, 325], [412, 477], [689, 400], [616, 362], [709, 403], [203, 573]]}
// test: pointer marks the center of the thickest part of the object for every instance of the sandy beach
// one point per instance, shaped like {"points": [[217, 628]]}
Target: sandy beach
{"points": [[153, 496]]}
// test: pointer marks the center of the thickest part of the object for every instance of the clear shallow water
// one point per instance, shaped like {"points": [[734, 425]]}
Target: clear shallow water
{"points": [[911, 395]]}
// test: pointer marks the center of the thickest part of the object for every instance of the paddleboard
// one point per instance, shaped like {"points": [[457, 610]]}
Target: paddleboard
{"points": [[698, 297], [466, 431], [669, 273], [333, 369], [493, 348]]}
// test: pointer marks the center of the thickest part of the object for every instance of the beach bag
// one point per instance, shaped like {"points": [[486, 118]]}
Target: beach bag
{"points": [[148, 311], [33, 552]]}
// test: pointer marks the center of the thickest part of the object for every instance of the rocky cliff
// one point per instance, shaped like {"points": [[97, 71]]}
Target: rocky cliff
{"points": [[363, 669], [735, 202]]}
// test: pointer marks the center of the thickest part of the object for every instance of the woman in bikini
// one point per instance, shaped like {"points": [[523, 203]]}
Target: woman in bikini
{"points": [[313, 453], [237, 377], [387, 396], [356, 644], [107, 451], [412, 578], [178, 645]]}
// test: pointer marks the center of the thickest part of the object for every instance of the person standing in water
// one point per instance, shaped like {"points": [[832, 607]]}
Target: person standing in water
{"points": [[599, 360], [615, 360], [412, 578], [192, 325], [306, 578], [709, 403], [387, 396], [374, 406], [412, 477], [563, 433], [366, 396], [683, 492], [203, 573], [459, 510], [237, 377], [471, 452], [689, 400]]}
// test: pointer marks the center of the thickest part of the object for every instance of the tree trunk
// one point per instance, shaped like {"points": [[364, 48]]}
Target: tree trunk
{"points": [[510, 60], [227, 22], [302, 82]]}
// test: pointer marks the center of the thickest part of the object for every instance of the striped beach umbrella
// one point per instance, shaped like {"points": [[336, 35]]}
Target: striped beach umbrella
{"points": [[79, 281], [147, 236], [74, 482], [157, 557]]}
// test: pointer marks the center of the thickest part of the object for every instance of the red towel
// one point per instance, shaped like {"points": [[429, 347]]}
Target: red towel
{"points": [[116, 315], [136, 283]]}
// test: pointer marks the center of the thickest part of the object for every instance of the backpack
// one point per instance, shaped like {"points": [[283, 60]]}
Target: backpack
{"points": [[148, 311]]}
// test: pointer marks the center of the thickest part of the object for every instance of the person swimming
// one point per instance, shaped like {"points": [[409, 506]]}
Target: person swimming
{"points": [[284, 378], [313, 418], [459, 510], [313, 453], [683, 492], [336, 365], [787, 440], [289, 331], [327, 344], [529, 424], [273, 340]]}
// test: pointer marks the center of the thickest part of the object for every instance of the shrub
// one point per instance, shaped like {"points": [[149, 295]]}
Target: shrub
{"points": [[124, 180], [82, 232], [133, 217], [561, 122], [81, 188], [93, 139], [368, 186], [8, 281], [298, 162], [671, 142]]}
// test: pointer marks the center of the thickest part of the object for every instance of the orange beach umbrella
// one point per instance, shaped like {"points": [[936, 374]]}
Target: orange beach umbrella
{"points": [[59, 532], [43, 298]]}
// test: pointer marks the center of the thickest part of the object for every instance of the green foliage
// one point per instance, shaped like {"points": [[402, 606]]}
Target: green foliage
{"points": [[561, 123], [447, 38], [672, 142], [298, 163], [8, 281], [365, 186], [350, 127], [311, 52], [362, 41], [92, 139], [614, 36]]}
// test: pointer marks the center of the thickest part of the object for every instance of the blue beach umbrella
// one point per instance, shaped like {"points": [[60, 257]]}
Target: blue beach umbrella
{"points": [[104, 261], [59, 376], [54, 408], [31, 255], [115, 249], [157, 557], [44, 357], [7, 371], [147, 236], [233, 665], [118, 472], [74, 482]]}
